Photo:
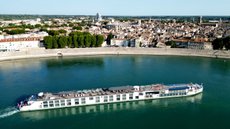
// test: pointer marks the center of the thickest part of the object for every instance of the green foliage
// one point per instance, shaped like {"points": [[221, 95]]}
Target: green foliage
{"points": [[62, 41], [11, 24], [217, 44], [172, 44], [75, 41], [46, 25], [74, 28], [89, 24], [100, 39], [227, 42], [87, 40], [48, 42], [110, 36], [16, 31], [64, 25], [53, 32], [86, 33], [71, 24], [70, 41], [79, 28], [62, 31], [93, 41], [55, 41], [106, 22], [81, 40], [38, 25], [42, 29], [140, 44]]}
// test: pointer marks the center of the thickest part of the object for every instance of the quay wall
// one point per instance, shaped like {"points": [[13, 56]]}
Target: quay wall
{"points": [[37, 53]]}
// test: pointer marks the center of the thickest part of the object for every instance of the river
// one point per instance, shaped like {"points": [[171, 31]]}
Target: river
{"points": [[210, 109]]}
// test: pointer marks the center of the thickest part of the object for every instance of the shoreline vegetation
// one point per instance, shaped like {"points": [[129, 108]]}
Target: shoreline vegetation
{"points": [[43, 53]]}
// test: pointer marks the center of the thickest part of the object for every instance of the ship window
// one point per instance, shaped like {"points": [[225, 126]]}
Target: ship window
{"points": [[62, 104], [57, 105], [105, 97], [50, 102], [124, 97], [105, 100], [51, 105], [45, 102], [56, 102], [118, 99], [130, 96], [91, 98], [118, 96], [68, 100], [82, 100], [76, 100], [97, 101], [97, 98], [62, 101], [111, 97], [76, 103], [45, 106], [137, 97]]}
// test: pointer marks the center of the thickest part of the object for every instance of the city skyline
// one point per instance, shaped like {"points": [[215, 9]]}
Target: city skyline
{"points": [[119, 8]]}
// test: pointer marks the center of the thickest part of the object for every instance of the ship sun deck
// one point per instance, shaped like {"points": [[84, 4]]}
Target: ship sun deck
{"points": [[106, 91]]}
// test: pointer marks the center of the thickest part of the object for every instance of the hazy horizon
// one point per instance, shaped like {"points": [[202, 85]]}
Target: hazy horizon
{"points": [[118, 7]]}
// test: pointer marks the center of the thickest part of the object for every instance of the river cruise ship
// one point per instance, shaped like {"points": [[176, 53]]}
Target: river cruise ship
{"points": [[63, 99]]}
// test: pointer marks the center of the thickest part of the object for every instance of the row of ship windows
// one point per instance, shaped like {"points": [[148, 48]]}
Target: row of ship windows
{"points": [[173, 91], [62, 102], [172, 94]]}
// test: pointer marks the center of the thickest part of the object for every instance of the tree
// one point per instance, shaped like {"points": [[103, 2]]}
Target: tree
{"points": [[55, 41], [81, 41], [71, 24], [106, 22], [87, 41], [171, 43], [140, 44], [100, 39], [46, 25], [227, 42], [62, 41], [48, 42], [53, 32], [42, 29], [74, 27], [79, 28], [93, 41], [86, 33], [217, 44], [70, 41], [75, 42], [64, 25], [110, 36], [38, 25], [62, 31]]}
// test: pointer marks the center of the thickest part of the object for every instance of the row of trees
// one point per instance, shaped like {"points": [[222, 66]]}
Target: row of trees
{"points": [[74, 40], [221, 43], [16, 31]]}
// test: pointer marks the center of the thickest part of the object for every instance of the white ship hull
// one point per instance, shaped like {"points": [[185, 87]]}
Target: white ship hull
{"points": [[103, 99]]}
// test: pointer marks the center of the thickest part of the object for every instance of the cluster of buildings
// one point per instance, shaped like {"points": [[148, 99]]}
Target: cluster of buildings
{"points": [[133, 33]]}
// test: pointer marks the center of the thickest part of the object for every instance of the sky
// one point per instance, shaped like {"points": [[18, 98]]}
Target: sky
{"points": [[117, 7]]}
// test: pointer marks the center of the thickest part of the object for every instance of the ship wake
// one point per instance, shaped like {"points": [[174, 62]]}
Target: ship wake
{"points": [[8, 112]]}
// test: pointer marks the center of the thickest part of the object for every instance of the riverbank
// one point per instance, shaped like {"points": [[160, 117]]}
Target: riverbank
{"points": [[38, 53]]}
